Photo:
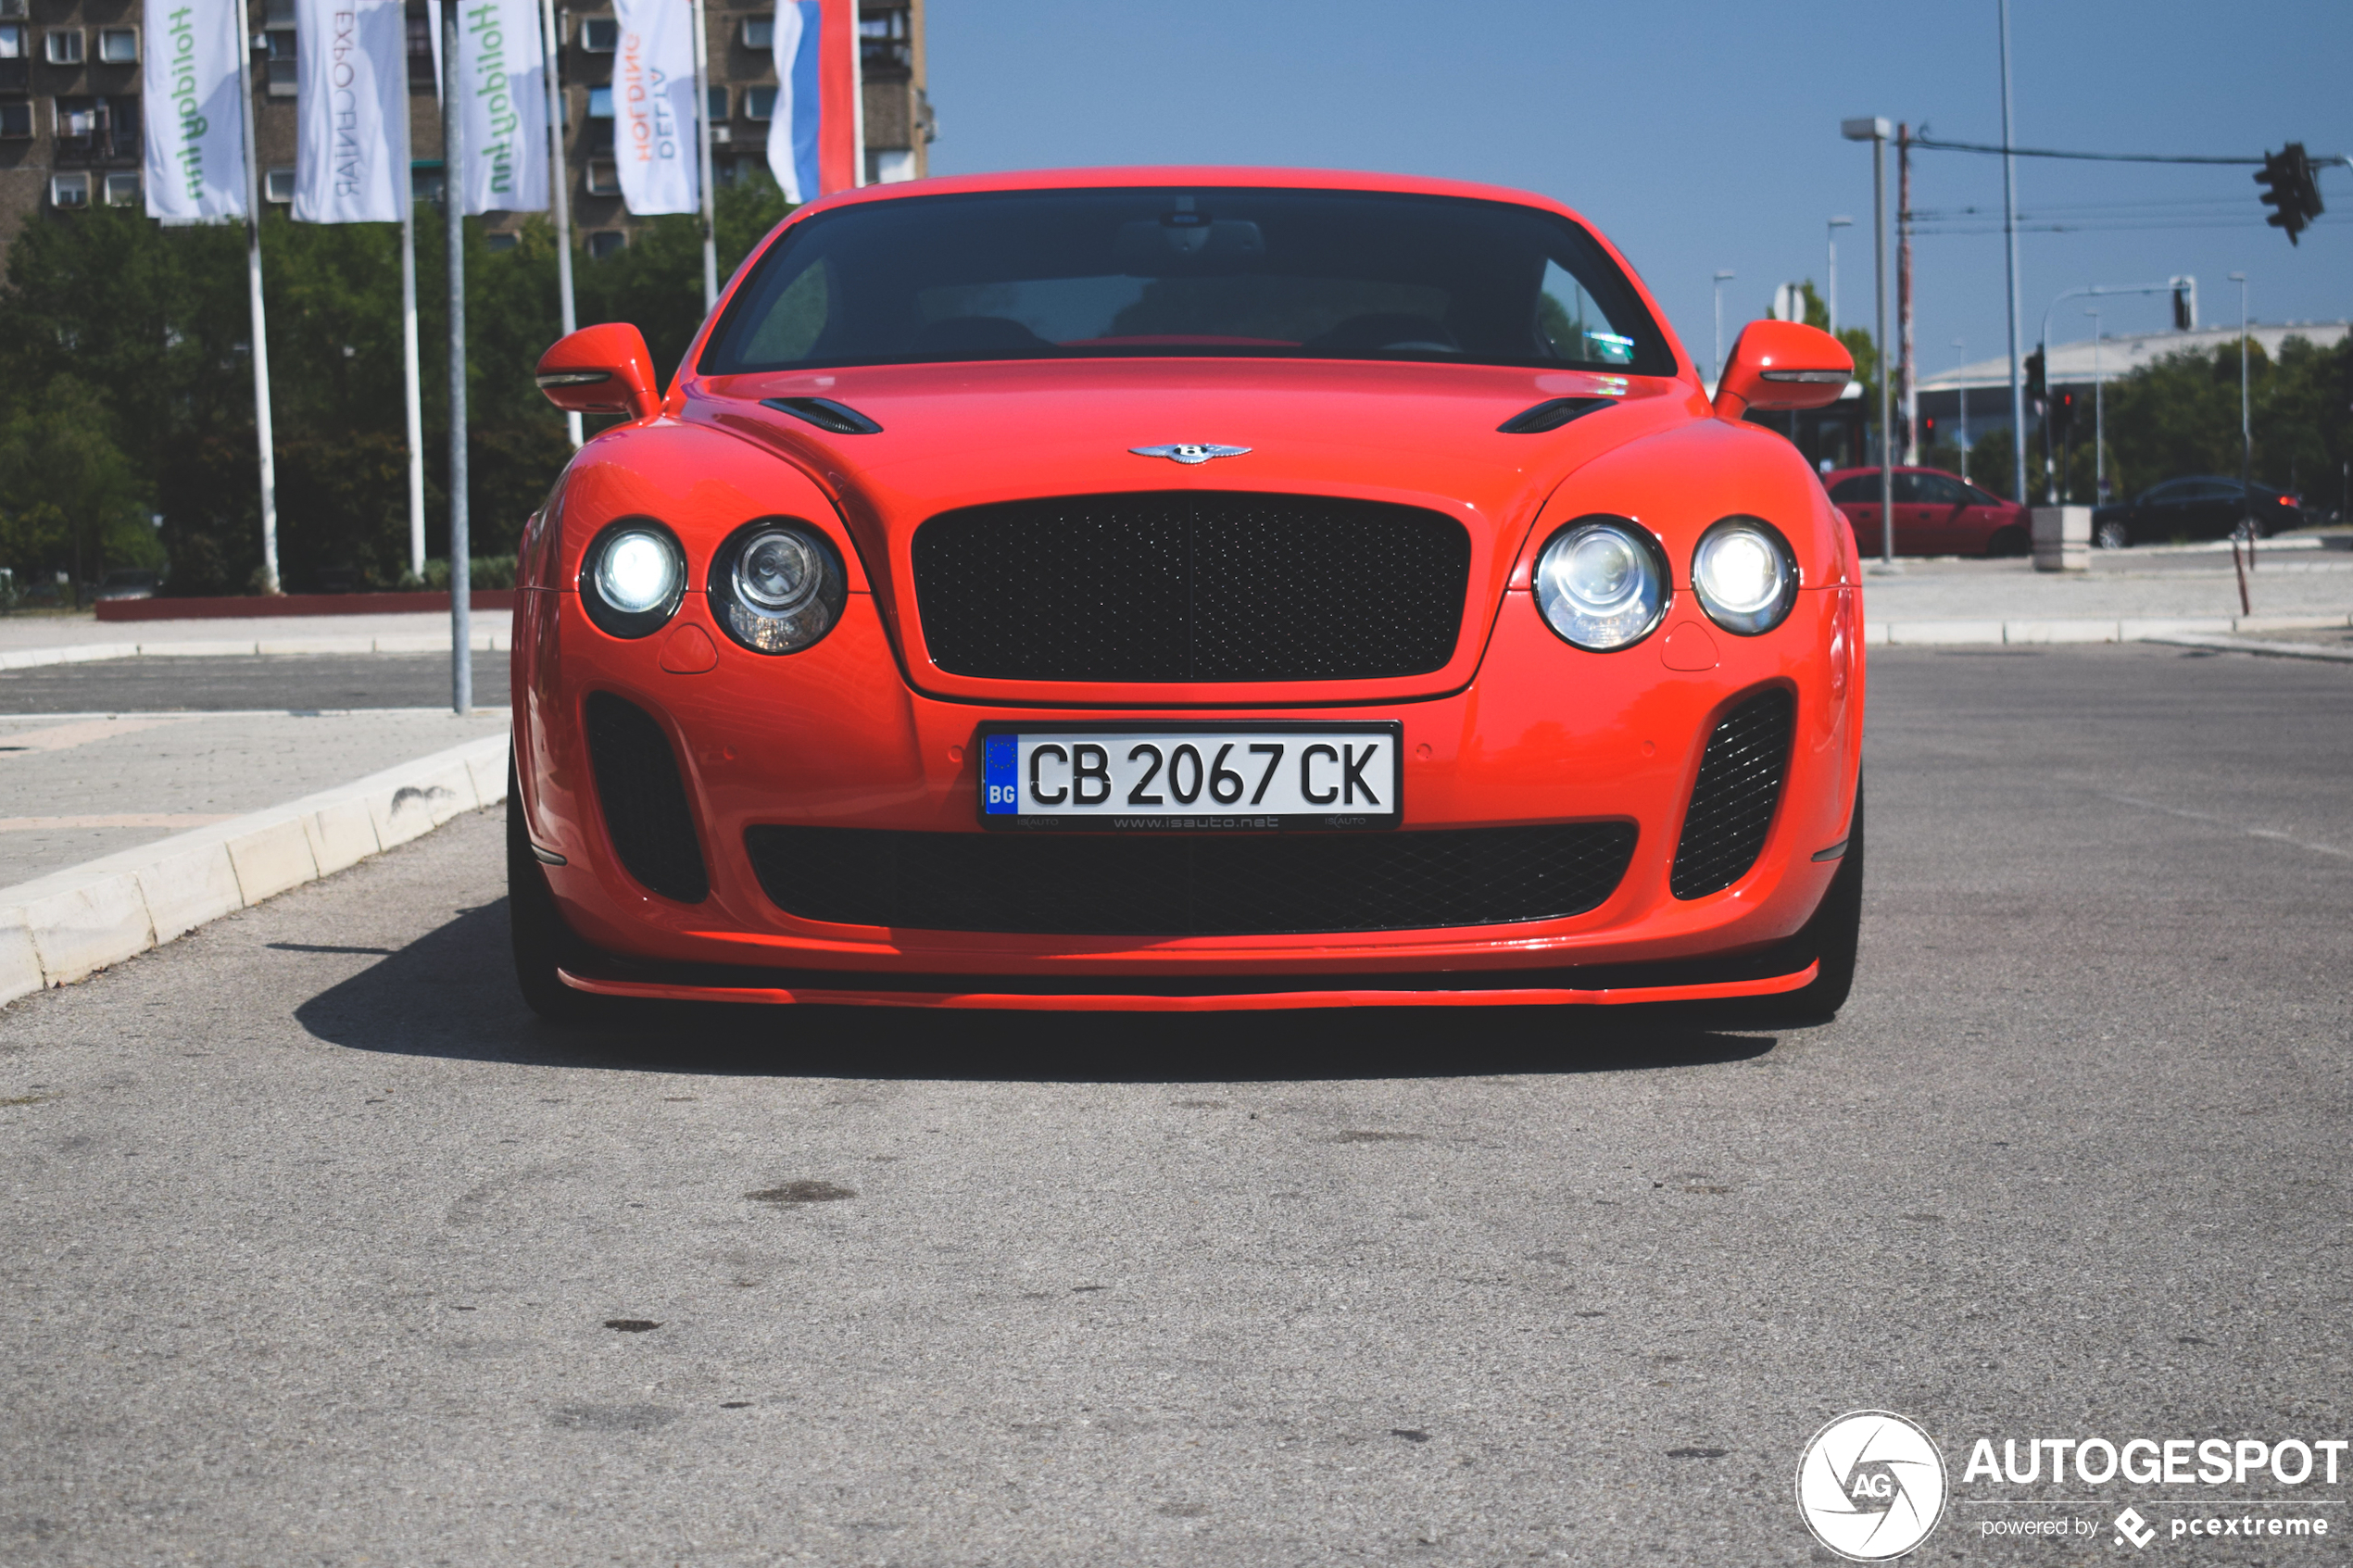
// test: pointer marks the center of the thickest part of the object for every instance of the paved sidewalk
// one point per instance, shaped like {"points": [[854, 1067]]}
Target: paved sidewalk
{"points": [[2121, 585], [31, 641], [74, 789]]}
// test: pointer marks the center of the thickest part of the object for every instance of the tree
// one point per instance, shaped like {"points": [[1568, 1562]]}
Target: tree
{"points": [[126, 342], [73, 501]]}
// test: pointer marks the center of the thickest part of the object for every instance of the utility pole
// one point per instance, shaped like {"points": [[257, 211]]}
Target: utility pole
{"points": [[2009, 252], [261, 330], [2247, 427], [453, 206], [1875, 132], [559, 190], [1910, 395], [1835, 225]]}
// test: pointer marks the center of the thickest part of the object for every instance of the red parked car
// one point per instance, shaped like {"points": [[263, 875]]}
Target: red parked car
{"points": [[1936, 514], [1187, 589]]}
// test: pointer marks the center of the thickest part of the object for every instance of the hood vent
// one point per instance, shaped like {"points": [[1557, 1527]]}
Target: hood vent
{"points": [[1552, 414], [826, 414]]}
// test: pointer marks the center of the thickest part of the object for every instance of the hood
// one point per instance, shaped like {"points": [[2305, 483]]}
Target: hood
{"points": [[966, 434]]}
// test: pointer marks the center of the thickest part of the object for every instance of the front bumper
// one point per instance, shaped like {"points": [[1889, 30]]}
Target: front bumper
{"points": [[836, 736]]}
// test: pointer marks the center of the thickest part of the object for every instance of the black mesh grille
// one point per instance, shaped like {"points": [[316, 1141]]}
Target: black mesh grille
{"points": [[646, 809], [1165, 885], [1739, 783], [1191, 586]]}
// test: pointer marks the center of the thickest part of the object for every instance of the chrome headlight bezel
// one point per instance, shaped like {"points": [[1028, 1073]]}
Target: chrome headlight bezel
{"points": [[1590, 624], [609, 610], [760, 627], [1756, 615]]}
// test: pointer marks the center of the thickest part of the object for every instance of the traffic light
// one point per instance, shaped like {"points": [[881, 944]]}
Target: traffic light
{"points": [[2034, 389], [2289, 189], [2184, 306], [2062, 413]]}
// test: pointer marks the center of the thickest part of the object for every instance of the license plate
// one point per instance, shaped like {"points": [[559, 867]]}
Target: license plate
{"points": [[1188, 778]]}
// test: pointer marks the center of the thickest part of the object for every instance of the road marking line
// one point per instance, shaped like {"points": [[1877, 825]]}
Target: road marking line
{"points": [[64, 737], [120, 820], [2234, 827]]}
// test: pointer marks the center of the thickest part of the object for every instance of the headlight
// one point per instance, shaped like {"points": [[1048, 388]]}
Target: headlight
{"points": [[1602, 583], [633, 578], [1744, 575], [777, 586]]}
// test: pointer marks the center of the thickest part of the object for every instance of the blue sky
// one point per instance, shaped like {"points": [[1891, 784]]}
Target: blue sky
{"points": [[1702, 137]]}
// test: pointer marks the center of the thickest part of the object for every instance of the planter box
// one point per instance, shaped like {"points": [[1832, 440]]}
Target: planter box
{"points": [[496, 600]]}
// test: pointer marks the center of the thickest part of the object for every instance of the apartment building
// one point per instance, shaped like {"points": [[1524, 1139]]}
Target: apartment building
{"points": [[70, 134]]}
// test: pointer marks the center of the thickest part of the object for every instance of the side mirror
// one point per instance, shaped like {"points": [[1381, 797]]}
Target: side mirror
{"points": [[1782, 365], [602, 369]]}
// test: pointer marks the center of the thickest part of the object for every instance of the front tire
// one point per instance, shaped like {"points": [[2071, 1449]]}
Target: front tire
{"points": [[542, 942], [2111, 536]]}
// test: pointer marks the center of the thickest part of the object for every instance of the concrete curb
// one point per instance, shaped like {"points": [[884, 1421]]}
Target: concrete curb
{"points": [[2128, 629], [60, 928], [398, 642], [2260, 649]]}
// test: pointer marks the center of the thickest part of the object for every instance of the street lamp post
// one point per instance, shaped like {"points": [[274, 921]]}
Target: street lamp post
{"points": [[1835, 225], [1721, 278], [2099, 417], [1875, 132], [2009, 259], [2247, 429], [1961, 345]]}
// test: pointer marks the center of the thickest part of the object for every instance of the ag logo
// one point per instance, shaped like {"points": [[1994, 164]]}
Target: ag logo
{"points": [[1871, 1486]]}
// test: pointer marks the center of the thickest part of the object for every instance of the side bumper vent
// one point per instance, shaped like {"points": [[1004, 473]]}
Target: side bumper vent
{"points": [[1740, 784], [644, 800]]}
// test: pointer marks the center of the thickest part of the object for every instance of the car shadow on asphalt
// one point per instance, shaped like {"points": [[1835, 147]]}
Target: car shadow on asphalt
{"points": [[452, 994]]}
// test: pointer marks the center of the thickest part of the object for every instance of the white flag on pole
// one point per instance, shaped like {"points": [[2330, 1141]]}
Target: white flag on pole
{"points": [[792, 129], [653, 107], [501, 72], [352, 78], [196, 137]]}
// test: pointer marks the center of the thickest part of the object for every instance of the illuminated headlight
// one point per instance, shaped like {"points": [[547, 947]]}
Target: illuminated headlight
{"points": [[1602, 583], [633, 578], [1744, 575], [777, 586]]}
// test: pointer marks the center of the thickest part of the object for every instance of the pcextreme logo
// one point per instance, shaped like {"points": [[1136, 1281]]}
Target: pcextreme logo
{"points": [[1871, 1486]]}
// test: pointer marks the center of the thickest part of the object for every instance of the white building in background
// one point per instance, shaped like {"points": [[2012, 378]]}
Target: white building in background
{"points": [[2072, 364]]}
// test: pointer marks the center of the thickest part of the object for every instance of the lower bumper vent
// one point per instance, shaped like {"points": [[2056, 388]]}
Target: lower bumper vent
{"points": [[644, 800], [1740, 784], [1084, 884]]}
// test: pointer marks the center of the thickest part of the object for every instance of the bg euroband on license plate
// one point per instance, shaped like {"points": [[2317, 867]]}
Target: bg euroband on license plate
{"points": [[1192, 778]]}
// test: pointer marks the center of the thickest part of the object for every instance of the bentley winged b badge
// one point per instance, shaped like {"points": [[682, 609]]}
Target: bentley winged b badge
{"points": [[1188, 452]]}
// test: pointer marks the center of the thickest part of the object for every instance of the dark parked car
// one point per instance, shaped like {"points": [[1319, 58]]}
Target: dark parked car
{"points": [[2200, 507], [129, 585], [1936, 514]]}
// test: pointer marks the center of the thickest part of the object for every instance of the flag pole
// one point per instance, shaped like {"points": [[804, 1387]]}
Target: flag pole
{"points": [[703, 128], [262, 437], [560, 189], [413, 378], [856, 102], [453, 184]]}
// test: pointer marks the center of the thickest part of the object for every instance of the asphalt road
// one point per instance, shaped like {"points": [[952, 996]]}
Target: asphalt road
{"points": [[274, 681], [316, 1249]]}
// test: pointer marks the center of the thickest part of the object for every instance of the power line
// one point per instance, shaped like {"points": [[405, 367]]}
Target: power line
{"points": [[1944, 146]]}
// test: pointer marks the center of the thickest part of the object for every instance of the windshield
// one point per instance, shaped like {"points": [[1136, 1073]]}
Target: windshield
{"points": [[1091, 273]]}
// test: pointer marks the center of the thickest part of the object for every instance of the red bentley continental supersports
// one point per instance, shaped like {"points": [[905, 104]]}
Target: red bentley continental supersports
{"points": [[1188, 589]]}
